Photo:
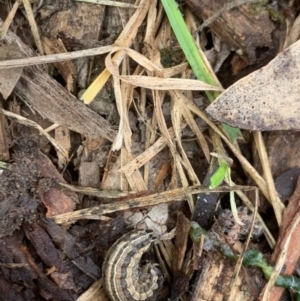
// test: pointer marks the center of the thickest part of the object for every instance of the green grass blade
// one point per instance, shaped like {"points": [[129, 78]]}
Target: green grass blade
{"points": [[191, 52]]}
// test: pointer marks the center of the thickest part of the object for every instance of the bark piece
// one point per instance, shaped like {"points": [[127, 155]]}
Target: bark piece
{"points": [[182, 266], [47, 288], [238, 27], [78, 25], [44, 246], [26, 282], [52, 101], [77, 21], [213, 282], [67, 242]]}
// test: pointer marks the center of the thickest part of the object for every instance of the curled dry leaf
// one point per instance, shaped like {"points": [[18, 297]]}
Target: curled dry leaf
{"points": [[265, 100]]}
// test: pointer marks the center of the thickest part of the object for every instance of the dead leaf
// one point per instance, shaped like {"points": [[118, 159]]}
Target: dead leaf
{"points": [[265, 100], [9, 77]]}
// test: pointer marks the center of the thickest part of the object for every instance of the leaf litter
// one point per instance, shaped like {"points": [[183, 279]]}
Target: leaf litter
{"points": [[134, 171]]}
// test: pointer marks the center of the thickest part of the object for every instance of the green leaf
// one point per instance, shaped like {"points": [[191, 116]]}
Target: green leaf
{"points": [[218, 177]]}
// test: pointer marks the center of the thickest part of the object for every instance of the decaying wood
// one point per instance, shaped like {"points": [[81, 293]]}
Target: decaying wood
{"points": [[213, 282], [67, 242], [29, 273], [53, 102], [46, 96], [238, 27], [78, 23]]}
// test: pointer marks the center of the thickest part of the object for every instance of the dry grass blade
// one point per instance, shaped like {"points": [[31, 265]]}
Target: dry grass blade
{"points": [[125, 39], [33, 26], [157, 83], [277, 205], [167, 83], [110, 3], [145, 201], [9, 19], [177, 98], [161, 251], [146, 156], [52, 58], [176, 114], [124, 132], [97, 192]]}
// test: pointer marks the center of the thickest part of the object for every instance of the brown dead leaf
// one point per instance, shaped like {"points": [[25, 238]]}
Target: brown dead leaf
{"points": [[267, 99], [9, 77]]}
